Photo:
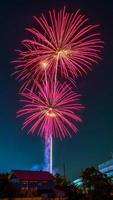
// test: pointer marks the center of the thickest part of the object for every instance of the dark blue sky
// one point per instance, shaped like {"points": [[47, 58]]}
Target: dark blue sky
{"points": [[94, 141]]}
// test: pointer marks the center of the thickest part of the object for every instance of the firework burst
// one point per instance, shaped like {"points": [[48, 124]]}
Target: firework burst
{"points": [[51, 112], [63, 43]]}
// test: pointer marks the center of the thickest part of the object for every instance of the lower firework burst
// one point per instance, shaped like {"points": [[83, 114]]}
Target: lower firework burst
{"points": [[52, 110]]}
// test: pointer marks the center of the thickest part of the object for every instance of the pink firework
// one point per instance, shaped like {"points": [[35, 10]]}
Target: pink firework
{"points": [[51, 112], [63, 42]]}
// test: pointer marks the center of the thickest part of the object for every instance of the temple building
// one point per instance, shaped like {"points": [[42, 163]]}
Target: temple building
{"points": [[32, 180]]}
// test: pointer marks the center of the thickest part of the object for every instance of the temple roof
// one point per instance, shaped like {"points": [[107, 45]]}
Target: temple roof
{"points": [[31, 175]]}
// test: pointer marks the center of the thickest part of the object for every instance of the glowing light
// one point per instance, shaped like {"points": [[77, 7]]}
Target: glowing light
{"points": [[62, 53], [50, 112], [44, 64]]}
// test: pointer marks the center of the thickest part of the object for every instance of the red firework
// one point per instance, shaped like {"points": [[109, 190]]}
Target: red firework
{"points": [[62, 41], [49, 111]]}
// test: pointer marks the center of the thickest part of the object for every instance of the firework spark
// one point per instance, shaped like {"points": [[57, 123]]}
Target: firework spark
{"points": [[63, 43], [51, 112]]}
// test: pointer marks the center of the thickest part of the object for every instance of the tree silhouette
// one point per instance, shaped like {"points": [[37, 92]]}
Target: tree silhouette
{"points": [[97, 185]]}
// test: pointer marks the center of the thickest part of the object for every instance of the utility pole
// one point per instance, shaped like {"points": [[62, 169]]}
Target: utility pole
{"points": [[64, 170], [112, 154]]}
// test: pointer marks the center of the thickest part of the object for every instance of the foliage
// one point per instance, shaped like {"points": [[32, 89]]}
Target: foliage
{"points": [[71, 191], [97, 185], [74, 193], [7, 189], [61, 181]]}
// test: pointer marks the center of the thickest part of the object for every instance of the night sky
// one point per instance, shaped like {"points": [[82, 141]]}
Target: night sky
{"points": [[93, 143]]}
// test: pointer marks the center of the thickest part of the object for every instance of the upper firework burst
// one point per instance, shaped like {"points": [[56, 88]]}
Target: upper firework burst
{"points": [[51, 111], [61, 41]]}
